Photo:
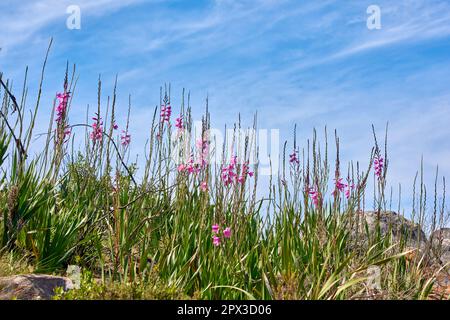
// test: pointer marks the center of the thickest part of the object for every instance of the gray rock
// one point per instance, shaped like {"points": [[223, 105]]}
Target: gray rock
{"points": [[393, 223], [441, 244], [32, 286]]}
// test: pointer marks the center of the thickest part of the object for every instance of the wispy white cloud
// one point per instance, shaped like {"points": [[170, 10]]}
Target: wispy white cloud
{"points": [[21, 20], [420, 28]]}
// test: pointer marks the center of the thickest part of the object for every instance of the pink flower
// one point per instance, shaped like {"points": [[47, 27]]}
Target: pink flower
{"points": [[166, 112], [378, 166], [203, 151], [228, 174], [125, 138], [314, 194], [97, 132], [345, 188], [227, 232], [115, 126], [339, 185], [67, 131], [215, 228], [293, 157], [63, 99], [204, 186], [191, 167], [348, 191], [179, 123], [245, 172], [216, 241], [97, 129]]}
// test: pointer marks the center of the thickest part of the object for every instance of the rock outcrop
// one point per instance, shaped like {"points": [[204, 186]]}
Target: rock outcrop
{"points": [[393, 223], [32, 286], [441, 244]]}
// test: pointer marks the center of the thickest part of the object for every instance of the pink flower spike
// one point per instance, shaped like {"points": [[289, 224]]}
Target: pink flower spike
{"points": [[97, 129], [125, 138], [245, 172], [166, 112], [227, 232], [293, 157], [179, 123], [215, 228], [216, 241], [203, 152], [61, 109], [229, 174], [181, 167], [378, 164]]}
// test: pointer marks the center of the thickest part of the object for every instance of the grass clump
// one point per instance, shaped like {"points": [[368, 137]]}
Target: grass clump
{"points": [[94, 289]]}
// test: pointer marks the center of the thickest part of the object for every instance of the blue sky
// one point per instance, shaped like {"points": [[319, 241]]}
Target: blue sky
{"points": [[313, 63]]}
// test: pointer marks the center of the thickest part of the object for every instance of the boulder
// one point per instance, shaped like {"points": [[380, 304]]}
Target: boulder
{"points": [[393, 223], [441, 244], [32, 286]]}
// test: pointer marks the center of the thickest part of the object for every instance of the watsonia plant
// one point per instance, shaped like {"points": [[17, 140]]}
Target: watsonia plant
{"points": [[189, 223]]}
